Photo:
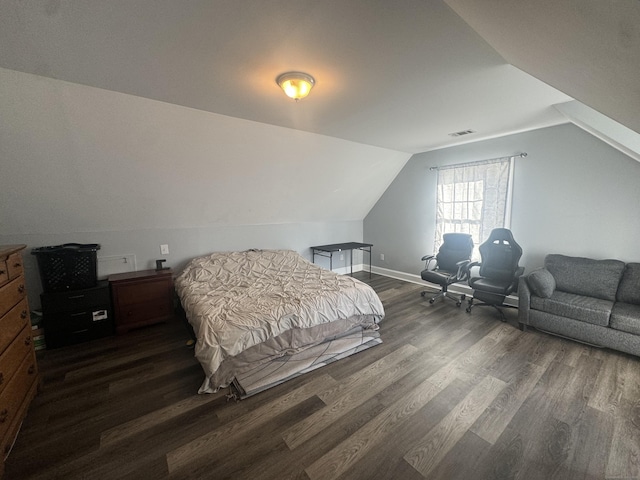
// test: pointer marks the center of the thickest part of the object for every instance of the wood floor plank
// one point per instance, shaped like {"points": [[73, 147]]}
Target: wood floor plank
{"points": [[434, 446], [610, 384], [461, 462], [624, 454], [348, 452], [138, 424], [197, 448], [233, 453], [498, 415], [349, 394]]}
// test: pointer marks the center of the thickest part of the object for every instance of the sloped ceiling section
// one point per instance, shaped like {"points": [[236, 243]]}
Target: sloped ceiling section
{"points": [[588, 49], [397, 75]]}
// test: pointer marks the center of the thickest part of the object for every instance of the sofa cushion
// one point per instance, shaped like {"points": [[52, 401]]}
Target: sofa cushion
{"points": [[584, 276], [541, 282], [626, 318], [629, 289], [578, 307]]}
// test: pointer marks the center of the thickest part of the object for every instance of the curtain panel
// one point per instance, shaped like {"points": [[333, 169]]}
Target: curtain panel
{"points": [[472, 198]]}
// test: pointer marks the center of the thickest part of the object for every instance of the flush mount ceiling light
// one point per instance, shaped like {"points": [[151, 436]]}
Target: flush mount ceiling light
{"points": [[296, 85]]}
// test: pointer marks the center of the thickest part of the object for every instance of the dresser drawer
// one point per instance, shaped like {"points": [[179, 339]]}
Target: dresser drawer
{"points": [[4, 272], [12, 357], [16, 391], [14, 265], [12, 323], [11, 294]]}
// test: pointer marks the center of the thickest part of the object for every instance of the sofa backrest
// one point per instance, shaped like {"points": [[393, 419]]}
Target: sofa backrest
{"points": [[629, 289], [585, 276]]}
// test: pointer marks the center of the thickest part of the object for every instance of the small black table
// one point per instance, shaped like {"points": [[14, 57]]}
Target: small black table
{"points": [[329, 250]]}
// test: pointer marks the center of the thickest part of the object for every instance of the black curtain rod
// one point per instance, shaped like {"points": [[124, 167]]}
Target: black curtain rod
{"points": [[521, 155]]}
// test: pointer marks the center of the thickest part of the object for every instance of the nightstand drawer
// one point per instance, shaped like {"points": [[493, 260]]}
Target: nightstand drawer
{"points": [[142, 292], [155, 310]]}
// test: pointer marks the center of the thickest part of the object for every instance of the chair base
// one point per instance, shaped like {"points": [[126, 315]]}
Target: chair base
{"points": [[445, 294], [497, 307]]}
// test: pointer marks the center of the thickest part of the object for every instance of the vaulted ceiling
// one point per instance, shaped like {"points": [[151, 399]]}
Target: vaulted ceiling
{"points": [[399, 75]]}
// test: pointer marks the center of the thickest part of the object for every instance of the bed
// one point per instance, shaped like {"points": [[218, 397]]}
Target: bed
{"points": [[261, 317]]}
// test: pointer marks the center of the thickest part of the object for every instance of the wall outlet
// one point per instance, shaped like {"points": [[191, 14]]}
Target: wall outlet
{"points": [[164, 249], [382, 256]]}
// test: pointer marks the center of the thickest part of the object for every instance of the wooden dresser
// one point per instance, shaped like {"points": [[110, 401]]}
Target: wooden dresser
{"points": [[18, 367]]}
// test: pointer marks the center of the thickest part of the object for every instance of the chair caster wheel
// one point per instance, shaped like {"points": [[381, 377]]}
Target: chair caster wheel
{"points": [[431, 301], [422, 294], [458, 304], [468, 309], [463, 298]]}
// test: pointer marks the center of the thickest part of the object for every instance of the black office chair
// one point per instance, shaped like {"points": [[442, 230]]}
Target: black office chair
{"points": [[499, 272], [450, 264]]}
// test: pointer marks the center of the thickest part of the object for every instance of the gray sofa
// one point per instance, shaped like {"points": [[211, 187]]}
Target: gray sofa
{"points": [[593, 301]]}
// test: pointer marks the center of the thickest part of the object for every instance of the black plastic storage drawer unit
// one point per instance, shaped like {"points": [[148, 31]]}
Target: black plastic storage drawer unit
{"points": [[76, 316]]}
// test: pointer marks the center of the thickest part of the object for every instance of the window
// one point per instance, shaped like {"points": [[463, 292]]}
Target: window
{"points": [[473, 198]]}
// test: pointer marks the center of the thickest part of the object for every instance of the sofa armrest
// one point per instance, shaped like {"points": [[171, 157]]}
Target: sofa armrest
{"points": [[524, 302]]}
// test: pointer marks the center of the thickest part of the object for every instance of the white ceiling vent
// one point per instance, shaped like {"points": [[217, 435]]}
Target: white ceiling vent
{"points": [[461, 133]]}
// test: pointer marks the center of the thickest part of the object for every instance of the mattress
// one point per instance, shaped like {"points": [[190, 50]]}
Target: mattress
{"points": [[252, 308]]}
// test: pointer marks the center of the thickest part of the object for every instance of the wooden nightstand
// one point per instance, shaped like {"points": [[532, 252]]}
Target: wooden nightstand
{"points": [[141, 298]]}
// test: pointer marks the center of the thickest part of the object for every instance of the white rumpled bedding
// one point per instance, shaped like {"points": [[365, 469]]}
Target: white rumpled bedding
{"points": [[239, 300]]}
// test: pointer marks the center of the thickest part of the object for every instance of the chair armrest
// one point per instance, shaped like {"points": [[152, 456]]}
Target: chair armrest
{"points": [[473, 265], [463, 270], [427, 259]]}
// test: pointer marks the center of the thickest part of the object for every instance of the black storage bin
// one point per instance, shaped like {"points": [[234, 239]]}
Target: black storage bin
{"points": [[71, 266]]}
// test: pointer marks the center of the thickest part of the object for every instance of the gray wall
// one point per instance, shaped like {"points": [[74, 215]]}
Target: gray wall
{"points": [[186, 243], [85, 165], [573, 194]]}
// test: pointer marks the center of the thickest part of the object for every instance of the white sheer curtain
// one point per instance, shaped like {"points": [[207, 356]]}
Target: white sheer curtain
{"points": [[473, 198]]}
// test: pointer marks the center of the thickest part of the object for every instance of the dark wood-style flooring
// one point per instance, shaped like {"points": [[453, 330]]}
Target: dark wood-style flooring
{"points": [[448, 395]]}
